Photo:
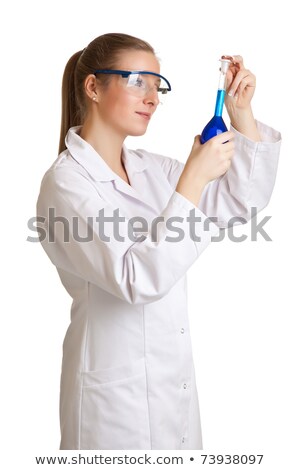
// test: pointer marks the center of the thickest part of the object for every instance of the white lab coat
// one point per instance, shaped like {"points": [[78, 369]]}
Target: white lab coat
{"points": [[128, 379]]}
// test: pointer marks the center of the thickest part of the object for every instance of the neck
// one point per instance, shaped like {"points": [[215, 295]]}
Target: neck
{"points": [[107, 143]]}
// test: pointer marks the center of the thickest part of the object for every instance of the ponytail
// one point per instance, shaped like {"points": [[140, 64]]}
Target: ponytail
{"points": [[70, 112]]}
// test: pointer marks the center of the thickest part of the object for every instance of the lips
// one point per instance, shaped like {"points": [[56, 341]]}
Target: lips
{"points": [[144, 115]]}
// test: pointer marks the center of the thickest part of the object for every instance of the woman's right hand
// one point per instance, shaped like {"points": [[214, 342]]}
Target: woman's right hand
{"points": [[205, 163]]}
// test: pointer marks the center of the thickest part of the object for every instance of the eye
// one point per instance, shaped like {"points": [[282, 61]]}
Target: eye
{"points": [[140, 82]]}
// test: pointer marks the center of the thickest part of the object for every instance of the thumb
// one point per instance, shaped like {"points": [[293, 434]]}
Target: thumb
{"points": [[197, 142]]}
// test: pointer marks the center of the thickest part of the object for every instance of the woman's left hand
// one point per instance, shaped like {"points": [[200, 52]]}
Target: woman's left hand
{"points": [[240, 89], [240, 85]]}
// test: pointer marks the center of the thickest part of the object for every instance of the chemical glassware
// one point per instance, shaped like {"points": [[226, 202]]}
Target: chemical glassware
{"points": [[217, 125]]}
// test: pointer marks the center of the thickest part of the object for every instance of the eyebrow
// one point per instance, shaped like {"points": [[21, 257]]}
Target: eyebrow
{"points": [[157, 79]]}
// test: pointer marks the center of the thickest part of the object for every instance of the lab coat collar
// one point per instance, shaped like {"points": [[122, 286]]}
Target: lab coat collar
{"points": [[94, 164]]}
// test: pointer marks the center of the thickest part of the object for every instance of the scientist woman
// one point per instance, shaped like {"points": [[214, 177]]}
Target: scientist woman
{"points": [[128, 379]]}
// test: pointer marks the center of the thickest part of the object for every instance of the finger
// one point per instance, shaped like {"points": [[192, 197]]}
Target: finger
{"points": [[238, 59], [245, 83], [222, 138], [241, 75], [232, 77], [236, 64], [227, 57], [197, 142], [235, 59], [228, 146]]}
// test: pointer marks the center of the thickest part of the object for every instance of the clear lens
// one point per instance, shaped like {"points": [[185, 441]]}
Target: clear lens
{"points": [[142, 84]]}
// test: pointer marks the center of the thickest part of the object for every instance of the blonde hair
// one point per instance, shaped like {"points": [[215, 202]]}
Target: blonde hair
{"points": [[102, 53]]}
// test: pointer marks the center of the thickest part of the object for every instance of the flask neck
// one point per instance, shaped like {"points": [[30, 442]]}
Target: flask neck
{"points": [[220, 102], [220, 95]]}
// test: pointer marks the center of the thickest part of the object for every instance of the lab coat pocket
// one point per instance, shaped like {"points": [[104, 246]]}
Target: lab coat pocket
{"points": [[114, 411]]}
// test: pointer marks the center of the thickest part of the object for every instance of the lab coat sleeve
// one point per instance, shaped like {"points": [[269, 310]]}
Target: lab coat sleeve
{"points": [[247, 184], [138, 270]]}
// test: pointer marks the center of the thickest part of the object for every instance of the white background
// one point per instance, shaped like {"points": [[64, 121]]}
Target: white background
{"points": [[243, 297]]}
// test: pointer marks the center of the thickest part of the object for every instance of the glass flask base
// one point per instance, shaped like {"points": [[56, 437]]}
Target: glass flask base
{"points": [[214, 127]]}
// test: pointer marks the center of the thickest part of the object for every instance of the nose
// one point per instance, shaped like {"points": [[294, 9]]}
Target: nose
{"points": [[151, 97]]}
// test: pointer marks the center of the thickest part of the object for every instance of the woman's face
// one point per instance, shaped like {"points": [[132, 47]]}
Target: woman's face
{"points": [[119, 107]]}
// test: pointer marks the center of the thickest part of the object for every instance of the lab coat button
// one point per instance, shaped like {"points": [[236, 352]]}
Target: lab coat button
{"points": [[182, 440], [184, 386], [182, 330]]}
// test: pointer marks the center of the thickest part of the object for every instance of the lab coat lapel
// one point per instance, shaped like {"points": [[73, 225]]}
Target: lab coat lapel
{"points": [[136, 169], [135, 190], [99, 170]]}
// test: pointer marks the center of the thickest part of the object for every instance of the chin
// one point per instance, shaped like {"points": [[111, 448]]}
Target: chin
{"points": [[137, 132]]}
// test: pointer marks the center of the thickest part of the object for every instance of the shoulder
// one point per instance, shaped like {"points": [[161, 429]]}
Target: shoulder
{"points": [[65, 180], [63, 170]]}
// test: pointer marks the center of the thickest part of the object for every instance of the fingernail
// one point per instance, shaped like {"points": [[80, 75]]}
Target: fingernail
{"points": [[230, 93]]}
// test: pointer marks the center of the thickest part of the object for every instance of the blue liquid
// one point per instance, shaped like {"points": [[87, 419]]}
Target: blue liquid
{"points": [[220, 102], [216, 125]]}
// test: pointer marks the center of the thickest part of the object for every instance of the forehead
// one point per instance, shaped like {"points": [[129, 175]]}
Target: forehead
{"points": [[138, 60]]}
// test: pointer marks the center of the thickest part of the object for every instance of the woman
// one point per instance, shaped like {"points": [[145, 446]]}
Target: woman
{"points": [[128, 377]]}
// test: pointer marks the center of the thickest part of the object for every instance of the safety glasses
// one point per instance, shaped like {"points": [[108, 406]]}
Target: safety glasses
{"points": [[140, 82]]}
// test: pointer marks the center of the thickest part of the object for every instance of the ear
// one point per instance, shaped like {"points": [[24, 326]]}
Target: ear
{"points": [[90, 86]]}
